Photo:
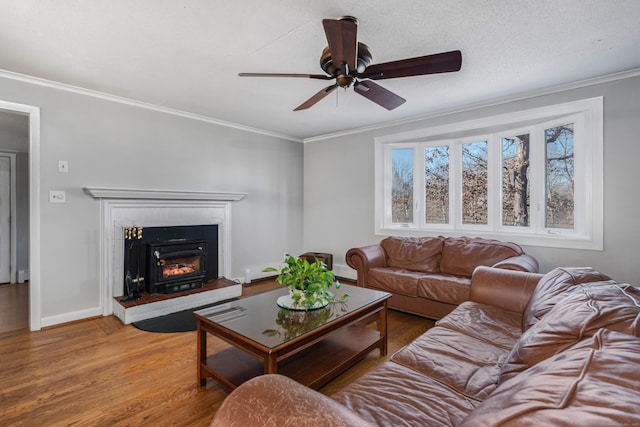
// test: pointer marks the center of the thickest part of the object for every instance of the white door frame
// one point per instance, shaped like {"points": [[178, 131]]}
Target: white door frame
{"points": [[35, 298], [13, 234]]}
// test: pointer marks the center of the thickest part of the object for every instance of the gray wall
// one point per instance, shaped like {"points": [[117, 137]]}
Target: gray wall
{"points": [[339, 183], [111, 144]]}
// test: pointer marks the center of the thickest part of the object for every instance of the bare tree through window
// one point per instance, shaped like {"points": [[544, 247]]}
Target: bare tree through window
{"points": [[475, 183], [559, 176], [436, 179], [402, 185], [515, 181]]}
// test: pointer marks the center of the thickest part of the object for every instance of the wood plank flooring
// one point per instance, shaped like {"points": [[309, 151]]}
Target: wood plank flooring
{"points": [[14, 307], [99, 372]]}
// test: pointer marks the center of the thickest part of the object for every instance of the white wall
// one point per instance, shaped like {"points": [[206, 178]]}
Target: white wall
{"points": [[339, 183], [112, 144]]}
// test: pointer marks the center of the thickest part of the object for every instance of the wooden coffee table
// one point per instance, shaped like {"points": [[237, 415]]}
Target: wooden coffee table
{"points": [[312, 347]]}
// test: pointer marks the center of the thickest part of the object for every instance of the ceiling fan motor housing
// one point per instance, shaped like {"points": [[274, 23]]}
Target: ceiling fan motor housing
{"points": [[363, 60]]}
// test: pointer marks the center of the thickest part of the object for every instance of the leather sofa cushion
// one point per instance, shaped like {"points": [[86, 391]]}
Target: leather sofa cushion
{"points": [[461, 255], [591, 384], [437, 287], [552, 285], [396, 280], [413, 253], [586, 309], [469, 364], [444, 288], [485, 322], [394, 395]]}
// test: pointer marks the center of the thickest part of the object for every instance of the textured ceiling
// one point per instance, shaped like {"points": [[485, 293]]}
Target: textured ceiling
{"points": [[185, 55]]}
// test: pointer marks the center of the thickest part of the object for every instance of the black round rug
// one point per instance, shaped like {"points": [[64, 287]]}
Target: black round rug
{"points": [[180, 321]]}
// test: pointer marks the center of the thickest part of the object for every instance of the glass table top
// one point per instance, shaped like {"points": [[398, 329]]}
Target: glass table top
{"points": [[259, 318]]}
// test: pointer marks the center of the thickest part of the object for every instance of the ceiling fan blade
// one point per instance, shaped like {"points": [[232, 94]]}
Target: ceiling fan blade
{"points": [[445, 62], [342, 38], [376, 93], [315, 98], [309, 76]]}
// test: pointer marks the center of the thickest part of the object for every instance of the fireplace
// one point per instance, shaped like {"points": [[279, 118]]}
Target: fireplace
{"points": [[176, 266], [169, 259]]}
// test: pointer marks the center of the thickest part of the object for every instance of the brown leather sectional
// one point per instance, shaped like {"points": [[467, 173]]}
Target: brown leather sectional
{"points": [[430, 276], [558, 350]]}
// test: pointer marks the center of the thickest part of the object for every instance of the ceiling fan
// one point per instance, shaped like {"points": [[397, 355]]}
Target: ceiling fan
{"points": [[349, 62]]}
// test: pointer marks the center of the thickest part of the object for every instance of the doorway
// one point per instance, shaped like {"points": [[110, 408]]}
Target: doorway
{"points": [[19, 135], [7, 218]]}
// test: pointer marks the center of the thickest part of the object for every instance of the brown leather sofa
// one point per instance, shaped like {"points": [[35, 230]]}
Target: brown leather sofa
{"points": [[430, 276], [561, 350]]}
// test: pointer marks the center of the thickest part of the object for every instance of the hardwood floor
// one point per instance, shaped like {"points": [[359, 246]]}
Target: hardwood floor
{"points": [[99, 372], [14, 307]]}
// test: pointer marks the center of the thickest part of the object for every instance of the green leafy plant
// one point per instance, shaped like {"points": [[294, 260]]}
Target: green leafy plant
{"points": [[309, 283]]}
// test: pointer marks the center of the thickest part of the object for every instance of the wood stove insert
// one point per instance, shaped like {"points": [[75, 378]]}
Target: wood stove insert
{"points": [[176, 266], [170, 259]]}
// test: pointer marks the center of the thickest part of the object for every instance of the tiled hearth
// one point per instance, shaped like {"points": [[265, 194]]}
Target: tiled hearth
{"points": [[154, 305]]}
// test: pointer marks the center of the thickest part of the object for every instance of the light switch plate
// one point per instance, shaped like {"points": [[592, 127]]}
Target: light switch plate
{"points": [[57, 196], [63, 166]]}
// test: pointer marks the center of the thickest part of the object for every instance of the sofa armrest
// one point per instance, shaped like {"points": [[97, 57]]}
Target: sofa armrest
{"points": [[507, 289], [276, 400], [364, 258], [522, 262]]}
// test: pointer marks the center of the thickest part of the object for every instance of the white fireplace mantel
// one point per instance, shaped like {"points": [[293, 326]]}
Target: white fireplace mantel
{"points": [[129, 193]]}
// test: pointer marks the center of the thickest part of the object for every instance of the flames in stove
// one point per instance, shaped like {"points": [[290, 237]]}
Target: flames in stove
{"points": [[171, 270]]}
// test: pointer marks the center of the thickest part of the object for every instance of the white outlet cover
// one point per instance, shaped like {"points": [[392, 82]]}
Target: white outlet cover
{"points": [[57, 196]]}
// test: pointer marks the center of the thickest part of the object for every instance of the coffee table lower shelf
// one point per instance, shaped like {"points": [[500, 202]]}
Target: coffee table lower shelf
{"points": [[314, 366]]}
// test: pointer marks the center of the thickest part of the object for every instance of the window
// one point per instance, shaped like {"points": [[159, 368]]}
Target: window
{"points": [[533, 176], [515, 180], [436, 181], [402, 185]]}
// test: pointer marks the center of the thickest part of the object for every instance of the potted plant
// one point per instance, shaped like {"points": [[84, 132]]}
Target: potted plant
{"points": [[309, 283]]}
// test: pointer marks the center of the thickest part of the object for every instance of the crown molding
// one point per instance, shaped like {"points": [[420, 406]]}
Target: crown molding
{"points": [[496, 101], [493, 102], [126, 193], [140, 104]]}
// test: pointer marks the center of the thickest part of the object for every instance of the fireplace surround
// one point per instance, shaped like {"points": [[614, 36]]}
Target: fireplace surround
{"points": [[120, 208]]}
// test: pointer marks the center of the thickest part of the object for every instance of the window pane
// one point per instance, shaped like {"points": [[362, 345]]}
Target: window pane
{"points": [[474, 183], [515, 180], [559, 175], [436, 179], [402, 185]]}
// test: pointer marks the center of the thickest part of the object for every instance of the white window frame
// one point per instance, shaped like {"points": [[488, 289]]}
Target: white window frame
{"points": [[587, 116]]}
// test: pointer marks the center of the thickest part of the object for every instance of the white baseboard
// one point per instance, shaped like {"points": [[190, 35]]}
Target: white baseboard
{"points": [[23, 276], [71, 316]]}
